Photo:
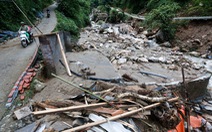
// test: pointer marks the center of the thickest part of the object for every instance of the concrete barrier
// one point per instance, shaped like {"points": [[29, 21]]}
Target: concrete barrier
{"points": [[51, 52]]}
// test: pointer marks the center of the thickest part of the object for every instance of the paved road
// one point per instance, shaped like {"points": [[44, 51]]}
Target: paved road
{"points": [[14, 59]]}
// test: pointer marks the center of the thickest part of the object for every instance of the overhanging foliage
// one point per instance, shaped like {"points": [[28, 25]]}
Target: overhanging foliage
{"points": [[11, 16]]}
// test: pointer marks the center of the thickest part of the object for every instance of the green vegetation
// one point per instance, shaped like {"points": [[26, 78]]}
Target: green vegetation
{"points": [[74, 14], [132, 6], [11, 16], [162, 18], [195, 7], [200, 7], [159, 14], [116, 16], [66, 24], [71, 15]]}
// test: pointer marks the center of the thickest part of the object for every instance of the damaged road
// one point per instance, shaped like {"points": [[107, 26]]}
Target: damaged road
{"points": [[121, 81]]}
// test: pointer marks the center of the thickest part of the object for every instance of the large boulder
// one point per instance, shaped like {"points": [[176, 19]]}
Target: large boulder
{"points": [[160, 37]]}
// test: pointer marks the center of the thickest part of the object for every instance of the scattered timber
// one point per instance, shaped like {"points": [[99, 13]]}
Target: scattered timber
{"points": [[146, 98], [118, 116], [67, 109], [63, 55]]}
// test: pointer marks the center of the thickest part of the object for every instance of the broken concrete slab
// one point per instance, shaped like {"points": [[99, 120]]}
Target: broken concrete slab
{"points": [[27, 128], [23, 112], [59, 126], [97, 62], [39, 86], [197, 87], [51, 52], [110, 126]]}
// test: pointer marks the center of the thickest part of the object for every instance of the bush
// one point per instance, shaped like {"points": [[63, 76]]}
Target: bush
{"points": [[162, 18], [116, 16], [200, 7], [133, 6], [153, 4], [77, 10], [66, 24]]}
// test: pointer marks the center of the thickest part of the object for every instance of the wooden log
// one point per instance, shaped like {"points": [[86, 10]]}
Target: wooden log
{"points": [[146, 98], [100, 86], [47, 34], [68, 108], [44, 106], [63, 55], [117, 117], [62, 103], [105, 91], [102, 110]]}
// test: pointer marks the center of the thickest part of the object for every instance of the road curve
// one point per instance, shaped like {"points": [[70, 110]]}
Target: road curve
{"points": [[14, 58]]}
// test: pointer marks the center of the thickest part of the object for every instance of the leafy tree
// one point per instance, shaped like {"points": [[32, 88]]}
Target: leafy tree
{"points": [[77, 10], [116, 16], [153, 4], [133, 6], [162, 18], [200, 7]]}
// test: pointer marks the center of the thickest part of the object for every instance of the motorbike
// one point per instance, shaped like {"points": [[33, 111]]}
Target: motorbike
{"points": [[48, 15], [25, 40]]}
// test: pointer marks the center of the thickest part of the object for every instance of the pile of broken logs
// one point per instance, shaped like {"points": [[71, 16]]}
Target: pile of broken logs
{"points": [[110, 107]]}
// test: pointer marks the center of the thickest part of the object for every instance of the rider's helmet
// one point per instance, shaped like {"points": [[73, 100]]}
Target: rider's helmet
{"points": [[22, 23]]}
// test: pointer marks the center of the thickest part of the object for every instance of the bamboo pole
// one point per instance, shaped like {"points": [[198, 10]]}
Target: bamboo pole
{"points": [[117, 117], [67, 108], [26, 17], [63, 55], [187, 107], [46, 34], [99, 97]]}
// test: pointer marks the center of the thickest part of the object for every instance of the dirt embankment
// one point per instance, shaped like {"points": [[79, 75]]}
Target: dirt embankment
{"points": [[195, 36]]}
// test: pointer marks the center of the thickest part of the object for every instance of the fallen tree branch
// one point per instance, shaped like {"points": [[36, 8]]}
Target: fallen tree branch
{"points": [[146, 98], [100, 86], [117, 117], [105, 91]]}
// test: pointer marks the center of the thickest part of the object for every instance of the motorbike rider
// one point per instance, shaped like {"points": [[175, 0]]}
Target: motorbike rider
{"points": [[26, 28], [48, 13]]}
